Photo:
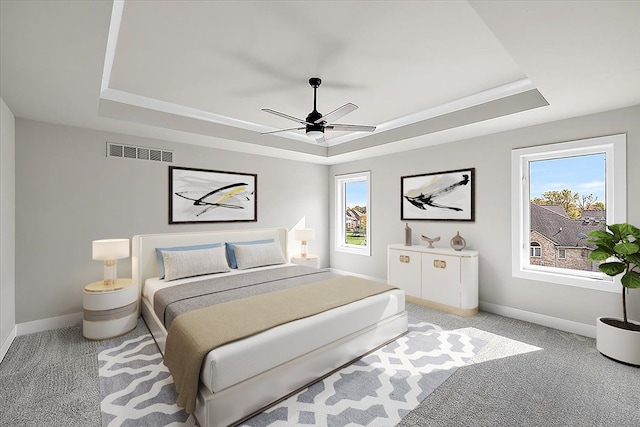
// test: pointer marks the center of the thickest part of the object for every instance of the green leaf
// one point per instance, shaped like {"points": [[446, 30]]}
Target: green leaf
{"points": [[634, 259], [631, 279], [627, 230], [601, 234], [617, 233], [600, 254], [612, 268], [605, 247], [626, 248], [635, 232]]}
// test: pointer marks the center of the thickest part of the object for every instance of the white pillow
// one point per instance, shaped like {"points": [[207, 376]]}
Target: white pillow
{"points": [[249, 256], [180, 264]]}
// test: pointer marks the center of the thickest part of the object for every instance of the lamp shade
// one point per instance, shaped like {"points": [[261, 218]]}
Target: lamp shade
{"points": [[305, 234], [110, 249]]}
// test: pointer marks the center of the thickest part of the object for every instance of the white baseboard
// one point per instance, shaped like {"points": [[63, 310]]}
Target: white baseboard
{"points": [[67, 320], [7, 342], [541, 319], [514, 313], [362, 276]]}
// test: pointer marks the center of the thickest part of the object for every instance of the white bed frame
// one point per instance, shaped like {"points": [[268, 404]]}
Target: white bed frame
{"points": [[243, 400]]}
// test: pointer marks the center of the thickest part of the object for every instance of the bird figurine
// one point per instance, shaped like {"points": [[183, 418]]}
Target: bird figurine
{"points": [[430, 240]]}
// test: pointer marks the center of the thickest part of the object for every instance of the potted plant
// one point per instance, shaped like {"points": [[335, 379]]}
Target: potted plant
{"points": [[619, 247]]}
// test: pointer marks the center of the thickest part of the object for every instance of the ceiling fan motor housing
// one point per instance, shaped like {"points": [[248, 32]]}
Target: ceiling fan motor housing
{"points": [[311, 122]]}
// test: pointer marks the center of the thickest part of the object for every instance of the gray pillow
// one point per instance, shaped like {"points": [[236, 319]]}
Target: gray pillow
{"points": [[181, 264], [250, 256]]}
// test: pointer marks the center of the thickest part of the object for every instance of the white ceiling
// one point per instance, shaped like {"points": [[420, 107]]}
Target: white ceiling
{"points": [[424, 73]]}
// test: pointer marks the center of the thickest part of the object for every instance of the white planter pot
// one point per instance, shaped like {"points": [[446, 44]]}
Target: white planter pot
{"points": [[619, 344]]}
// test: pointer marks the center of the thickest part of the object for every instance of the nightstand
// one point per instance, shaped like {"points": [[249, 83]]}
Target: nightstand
{"points": [[309, 261], [109, 311]]}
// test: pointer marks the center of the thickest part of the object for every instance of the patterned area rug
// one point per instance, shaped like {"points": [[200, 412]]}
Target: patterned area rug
{"points": [[378, 390], [136, 388], [381, 388]]}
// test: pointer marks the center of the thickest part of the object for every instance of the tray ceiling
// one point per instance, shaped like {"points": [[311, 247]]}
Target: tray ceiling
{"points": [[422, 72]]}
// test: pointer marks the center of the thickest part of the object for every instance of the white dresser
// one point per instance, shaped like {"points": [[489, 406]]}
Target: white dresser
{"points": [[440, 278]]}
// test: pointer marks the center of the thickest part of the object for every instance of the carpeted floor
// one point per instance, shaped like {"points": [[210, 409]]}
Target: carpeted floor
{"points": [[51, 379]]}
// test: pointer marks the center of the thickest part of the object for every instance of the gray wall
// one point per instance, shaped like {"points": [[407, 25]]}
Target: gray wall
{"points": [[69, 193], [490, 234], [7, 222]]}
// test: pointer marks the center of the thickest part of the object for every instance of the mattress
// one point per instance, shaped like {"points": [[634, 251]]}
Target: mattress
{"points": [[243, 359]]}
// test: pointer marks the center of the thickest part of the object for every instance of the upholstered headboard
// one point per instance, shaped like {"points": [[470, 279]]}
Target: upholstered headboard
{"points": [[144, 262]]}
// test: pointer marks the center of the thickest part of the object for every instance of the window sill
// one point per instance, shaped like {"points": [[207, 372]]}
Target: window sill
{"points": [[596, 281], [354, 250]]}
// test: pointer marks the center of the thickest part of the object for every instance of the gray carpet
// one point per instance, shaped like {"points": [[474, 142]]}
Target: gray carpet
{"points": [[568, 383], [51, 379]]}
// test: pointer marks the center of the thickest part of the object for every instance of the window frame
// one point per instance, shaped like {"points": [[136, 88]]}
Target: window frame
{"points": [[533, 247], [562, 253], [614, 147], [340, 220]]}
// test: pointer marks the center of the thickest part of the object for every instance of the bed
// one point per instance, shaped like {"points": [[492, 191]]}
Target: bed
{"points": [[239, 379]]}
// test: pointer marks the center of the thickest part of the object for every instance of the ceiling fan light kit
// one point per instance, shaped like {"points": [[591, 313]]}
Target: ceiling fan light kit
{"points": [[315, 124], [315, 134]]}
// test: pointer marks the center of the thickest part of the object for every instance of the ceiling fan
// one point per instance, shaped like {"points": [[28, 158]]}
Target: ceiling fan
{"points": [[315, 124]]}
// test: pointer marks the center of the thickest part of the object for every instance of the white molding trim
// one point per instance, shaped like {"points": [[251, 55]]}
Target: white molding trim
{"points": [[7, 342], [479, 98], [67, 320], [541, 319]]}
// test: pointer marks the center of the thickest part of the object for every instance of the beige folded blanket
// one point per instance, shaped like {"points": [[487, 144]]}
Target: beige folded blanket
{"points": [[194, 334]]}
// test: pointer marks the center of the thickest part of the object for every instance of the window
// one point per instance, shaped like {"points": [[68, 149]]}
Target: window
{"points": [[353, 215], [536, 251], [561, 192]]}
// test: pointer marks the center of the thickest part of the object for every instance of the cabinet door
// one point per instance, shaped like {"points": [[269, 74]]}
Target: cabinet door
{"points": [[404, 271], [441, 279]]}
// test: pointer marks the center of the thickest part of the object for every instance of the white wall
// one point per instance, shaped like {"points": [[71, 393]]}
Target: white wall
{"points": [[490, 234], [7, 228], [69, 193]]}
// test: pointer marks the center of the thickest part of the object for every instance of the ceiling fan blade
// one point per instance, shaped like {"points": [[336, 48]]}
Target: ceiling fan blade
{"points": [[282, 130], [351, 128], [337, 113], [286, 116]]}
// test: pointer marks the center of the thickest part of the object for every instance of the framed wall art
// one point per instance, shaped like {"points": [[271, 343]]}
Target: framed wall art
{"points": [[201, 195], [440, 196]]}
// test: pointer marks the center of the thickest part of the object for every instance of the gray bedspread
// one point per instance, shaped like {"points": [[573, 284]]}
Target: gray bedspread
{"points": [[170, 302]]}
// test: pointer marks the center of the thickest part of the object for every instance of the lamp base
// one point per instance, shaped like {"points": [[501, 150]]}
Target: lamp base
{"points": [[110, 272]]}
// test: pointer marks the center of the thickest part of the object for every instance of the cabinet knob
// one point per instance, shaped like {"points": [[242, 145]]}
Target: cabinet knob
{"points": [[405, 258], [439, 263]]}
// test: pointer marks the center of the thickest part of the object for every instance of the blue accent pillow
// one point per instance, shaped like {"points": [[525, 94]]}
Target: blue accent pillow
{"points": [[231, 255], [180, 248]]}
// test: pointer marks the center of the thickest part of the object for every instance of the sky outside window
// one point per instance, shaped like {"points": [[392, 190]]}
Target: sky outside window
{"points": [[582, 174], [356, 194]]}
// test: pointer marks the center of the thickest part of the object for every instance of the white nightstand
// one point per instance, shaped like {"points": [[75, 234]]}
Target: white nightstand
{"points": [[309, 261], [109, 311]]}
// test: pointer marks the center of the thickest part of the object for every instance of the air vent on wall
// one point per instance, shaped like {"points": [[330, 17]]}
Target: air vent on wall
{"points": [[141, 153]]}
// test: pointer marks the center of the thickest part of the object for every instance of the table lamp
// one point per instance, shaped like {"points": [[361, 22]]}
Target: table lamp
{"points": [[109, 251], [304, 235]]}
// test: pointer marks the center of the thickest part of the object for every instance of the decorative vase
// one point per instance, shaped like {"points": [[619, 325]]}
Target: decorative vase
{"points": [[407, 235], [458, 243], [430, 240], [616, 343]]}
